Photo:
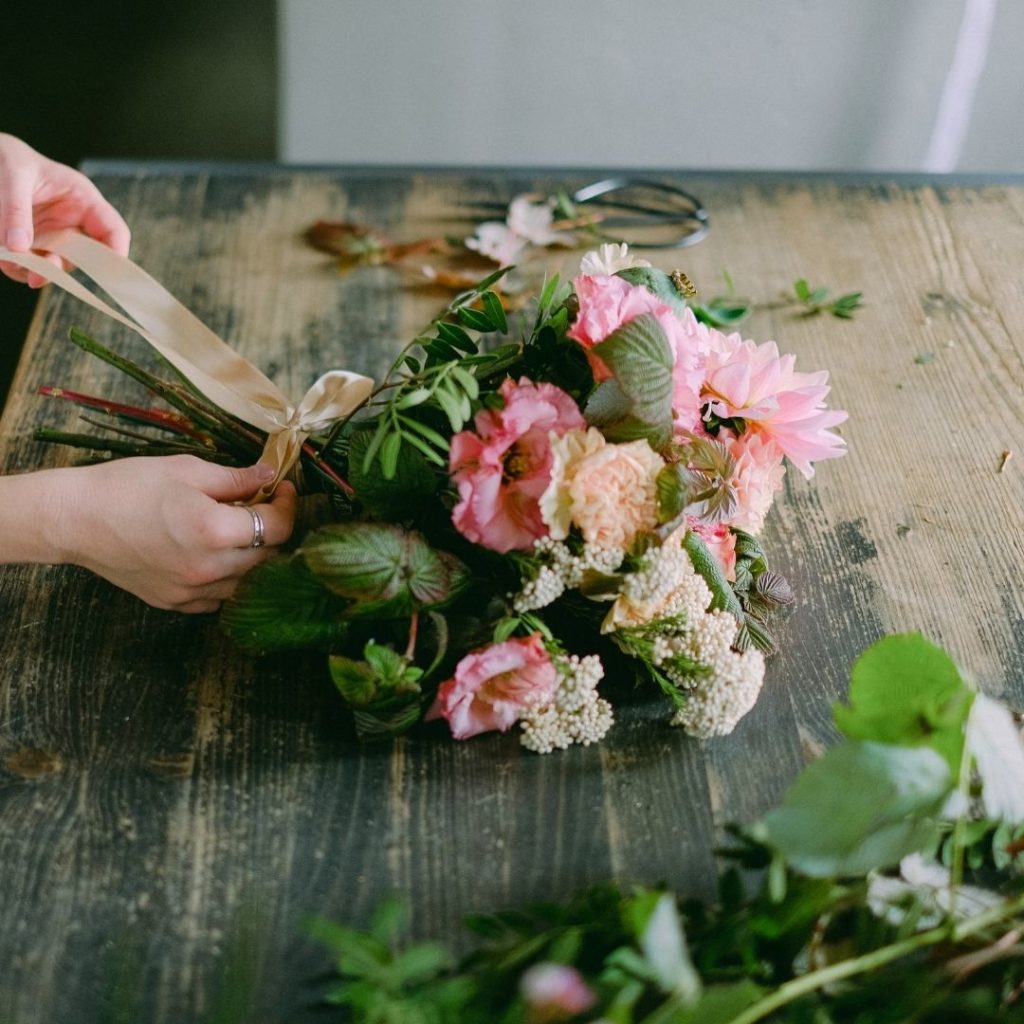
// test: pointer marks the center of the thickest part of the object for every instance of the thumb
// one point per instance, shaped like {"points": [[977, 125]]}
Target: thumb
{"points": [[16, 229], [226, 483]]}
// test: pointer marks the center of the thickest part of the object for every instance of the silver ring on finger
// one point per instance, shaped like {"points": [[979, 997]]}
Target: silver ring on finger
{"points": [[259, 534]]}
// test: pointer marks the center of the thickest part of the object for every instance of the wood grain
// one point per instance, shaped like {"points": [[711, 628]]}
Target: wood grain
{"points": [[171, 808]]}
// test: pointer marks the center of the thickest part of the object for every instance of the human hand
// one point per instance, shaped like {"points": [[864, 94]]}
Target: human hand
{"points": [[164, 528], [38, 195]]}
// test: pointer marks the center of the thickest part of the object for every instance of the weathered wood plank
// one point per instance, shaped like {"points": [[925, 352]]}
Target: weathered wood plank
{"points": [[162, 796]]}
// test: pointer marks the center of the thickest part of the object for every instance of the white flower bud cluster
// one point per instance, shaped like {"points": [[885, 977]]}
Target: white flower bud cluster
{"points": [[562, 571], [718, 702], [731, 681], [575, 714]]}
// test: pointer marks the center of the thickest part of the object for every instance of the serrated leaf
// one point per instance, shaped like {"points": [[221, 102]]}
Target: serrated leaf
{"points": [[639, 356], [281, 605], [709, 567], [355, 680], [827, 827], [774, 587], [412, 482], [382, 567]]}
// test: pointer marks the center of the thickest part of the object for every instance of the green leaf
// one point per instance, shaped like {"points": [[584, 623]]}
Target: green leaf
{"points": [[475, 319], [802, 289], [495, 311], [906, 691], [281, 605], [720, 1004], [456, 336], [356, 681], [639, 356], [412, 483], [709, 567], [419, 963], [358, 953], [378, 565], [860, 807], [389, 455], [658, 283], [390, 917]]}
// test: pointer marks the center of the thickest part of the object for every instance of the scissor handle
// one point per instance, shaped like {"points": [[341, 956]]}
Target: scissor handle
{"points": [[690, 209]]}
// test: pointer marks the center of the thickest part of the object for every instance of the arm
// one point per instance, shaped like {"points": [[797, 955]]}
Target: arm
{"points": [[162, 528]]}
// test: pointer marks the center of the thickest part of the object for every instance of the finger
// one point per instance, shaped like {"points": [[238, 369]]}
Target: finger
{"points": [[14, 272], [229, 483], [102, 222], [265, 525], [16, 206]]}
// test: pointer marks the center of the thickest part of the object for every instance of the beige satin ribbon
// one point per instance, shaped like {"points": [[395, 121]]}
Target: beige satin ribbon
{"points": [[212, 366]]}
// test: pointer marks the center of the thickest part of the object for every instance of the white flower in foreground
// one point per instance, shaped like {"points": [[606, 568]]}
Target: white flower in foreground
{"points": [[927, 884], [497, 242], [608, 260], [533, 221], [995, 744]]}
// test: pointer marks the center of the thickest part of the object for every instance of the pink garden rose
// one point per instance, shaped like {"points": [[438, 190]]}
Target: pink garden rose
{"points": [[606, 303], [721, 542], [753, 382], [504, 466], [493, 686]]}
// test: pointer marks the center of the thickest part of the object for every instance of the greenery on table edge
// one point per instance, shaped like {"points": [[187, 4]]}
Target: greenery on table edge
{"points": [[812, 924]]}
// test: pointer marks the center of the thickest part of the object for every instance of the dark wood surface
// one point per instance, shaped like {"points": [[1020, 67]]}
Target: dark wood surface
{"points": [[172, 809]]}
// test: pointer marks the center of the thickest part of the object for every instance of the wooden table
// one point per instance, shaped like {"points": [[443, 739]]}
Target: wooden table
{"points": [[171, 809]]}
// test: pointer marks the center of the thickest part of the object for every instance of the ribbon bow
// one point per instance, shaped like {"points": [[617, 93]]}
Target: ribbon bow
{"points": [[206, 361]]}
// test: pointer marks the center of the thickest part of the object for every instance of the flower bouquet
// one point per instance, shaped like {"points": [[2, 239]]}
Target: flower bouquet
{"points": [[528, 504]]}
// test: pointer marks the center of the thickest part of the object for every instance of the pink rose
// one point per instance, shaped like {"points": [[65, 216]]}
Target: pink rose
{"points": [[721, 541], [493, 686], [606, 303], [504, 466], [554, 992]]}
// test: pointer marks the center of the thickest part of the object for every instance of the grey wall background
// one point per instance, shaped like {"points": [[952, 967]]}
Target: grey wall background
{"points": [[819, 84]]}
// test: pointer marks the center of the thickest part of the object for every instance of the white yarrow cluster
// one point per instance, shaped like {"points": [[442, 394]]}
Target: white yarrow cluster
{"points": [[669, 588], [575, 714], [561, 571]]}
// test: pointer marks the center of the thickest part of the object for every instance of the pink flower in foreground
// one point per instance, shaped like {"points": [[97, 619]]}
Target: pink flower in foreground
{"points": [[493, 686], [504, 466], [606, 303], [554, 992], [753, 382]]}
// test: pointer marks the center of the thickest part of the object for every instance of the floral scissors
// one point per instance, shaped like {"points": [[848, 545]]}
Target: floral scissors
{"points": [[642, 212]]}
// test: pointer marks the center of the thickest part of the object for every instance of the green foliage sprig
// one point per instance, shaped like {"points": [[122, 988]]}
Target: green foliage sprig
{"points": [[815, 921]]}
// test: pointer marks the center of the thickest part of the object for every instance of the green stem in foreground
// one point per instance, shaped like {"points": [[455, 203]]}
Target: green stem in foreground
{"points": [[808, 983]]}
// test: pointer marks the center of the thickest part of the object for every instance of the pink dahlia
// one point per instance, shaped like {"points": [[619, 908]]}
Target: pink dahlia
{"points": [[493, 686], [606, 303], [758, 477], [754, 383], [503, 467]]}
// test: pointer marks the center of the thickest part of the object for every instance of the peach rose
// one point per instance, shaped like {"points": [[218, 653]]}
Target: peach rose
{"points": [[612, 492]]}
